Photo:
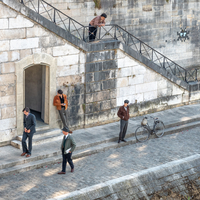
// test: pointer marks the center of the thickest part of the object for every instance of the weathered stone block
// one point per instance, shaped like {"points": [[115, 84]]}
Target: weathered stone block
{"points": [[65, 50], [122, 82], [4, 23], [20, 22], [90, 77], [36, 31], [8, 112], [94, 67], [3, 57], [13, 55], [24, 53], [105, 105], [7, 124], [4, 45], [7, 79], [12, 34], [93, 87], [24, 43], [146, 87], [109, 84], [67, 60], [111, 64], [8, 68]]}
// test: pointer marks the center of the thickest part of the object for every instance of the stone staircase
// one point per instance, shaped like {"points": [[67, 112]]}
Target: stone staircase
{"points": [[42, 136]]}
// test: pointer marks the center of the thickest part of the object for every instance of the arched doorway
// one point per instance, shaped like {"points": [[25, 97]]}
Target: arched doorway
{"points": [[48, 64], [37, 92]]}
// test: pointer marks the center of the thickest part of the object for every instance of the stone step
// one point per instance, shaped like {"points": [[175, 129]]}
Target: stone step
{"points": [[54, 157], [40, 137], [45, 135]]}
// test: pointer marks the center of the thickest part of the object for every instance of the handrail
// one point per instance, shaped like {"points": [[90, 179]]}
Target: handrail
{"points": [[112, 31]]}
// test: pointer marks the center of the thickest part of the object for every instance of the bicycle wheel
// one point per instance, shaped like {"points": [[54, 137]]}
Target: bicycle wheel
{"points": [[142, 134], [159, 129]]}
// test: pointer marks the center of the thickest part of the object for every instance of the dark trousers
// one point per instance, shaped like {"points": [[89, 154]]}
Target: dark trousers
{"points": [[63, 116], [66, 158], [123, 129], [24, 146], [92, 33]]}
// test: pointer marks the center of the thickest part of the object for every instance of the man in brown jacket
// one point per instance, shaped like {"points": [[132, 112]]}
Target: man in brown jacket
{"points": [[61, 103], [123, 114], [98, 21]]}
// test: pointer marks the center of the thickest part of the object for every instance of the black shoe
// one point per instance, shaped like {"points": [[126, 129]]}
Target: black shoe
{"points": [[124, 140], [119, 141]]}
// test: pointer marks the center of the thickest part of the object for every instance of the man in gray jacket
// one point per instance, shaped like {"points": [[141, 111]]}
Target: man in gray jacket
{"points": [[67, 147], [29, 130]]}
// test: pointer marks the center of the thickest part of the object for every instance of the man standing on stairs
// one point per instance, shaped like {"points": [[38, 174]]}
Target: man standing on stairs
{"points": [[67, 147], [61, 103], [98, 21], [29, 130], [123, 114]]}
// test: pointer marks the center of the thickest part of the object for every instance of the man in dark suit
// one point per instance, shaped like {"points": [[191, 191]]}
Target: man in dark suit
{"points": [[29, 130], [123, 114], [67, 147]]}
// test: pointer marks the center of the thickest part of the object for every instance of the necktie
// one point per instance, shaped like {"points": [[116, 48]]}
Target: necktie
{"points": [[64, 143]]}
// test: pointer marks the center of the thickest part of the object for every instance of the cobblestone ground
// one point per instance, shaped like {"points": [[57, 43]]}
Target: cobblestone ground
{"points": [[44, 183]]}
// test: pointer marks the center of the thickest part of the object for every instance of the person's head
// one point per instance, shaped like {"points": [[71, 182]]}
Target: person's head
{"points": [[26, 111], [65, 131], [126, 102], [60, 92], [103, 16]]}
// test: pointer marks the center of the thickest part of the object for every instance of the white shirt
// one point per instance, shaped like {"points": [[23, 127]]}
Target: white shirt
{"points": [[66, 136]]}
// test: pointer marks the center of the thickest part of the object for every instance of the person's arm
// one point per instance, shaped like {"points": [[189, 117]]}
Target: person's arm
{"points": [[66, 102], [24, 121], [33, 123], [120, 114], [55, 102], [73, 144]]}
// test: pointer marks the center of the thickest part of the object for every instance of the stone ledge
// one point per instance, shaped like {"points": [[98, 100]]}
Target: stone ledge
{"points": [[141, 181]]}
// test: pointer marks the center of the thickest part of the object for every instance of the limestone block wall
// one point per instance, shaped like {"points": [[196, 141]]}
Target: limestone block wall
{"points": [[101, 79], [19, 38], [141, 86], [154, 22]]}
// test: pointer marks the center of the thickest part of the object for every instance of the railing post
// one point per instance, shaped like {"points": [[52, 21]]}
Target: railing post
{"points": [[140, 47], [69, 25], [196, 74], [54, 16], [115, 37], [164, 62], [185, 75], [22, 1], [84, 34], [152, 54], [38, 6]]}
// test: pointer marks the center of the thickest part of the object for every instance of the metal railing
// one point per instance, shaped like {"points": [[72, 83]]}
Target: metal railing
{"points": [[108, 32]]}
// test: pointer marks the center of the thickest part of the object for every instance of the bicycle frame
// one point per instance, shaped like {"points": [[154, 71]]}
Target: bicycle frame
{"points": [[151, 131]]}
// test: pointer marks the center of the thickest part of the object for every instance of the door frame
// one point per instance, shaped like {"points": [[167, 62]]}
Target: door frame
{"points": [[30, 61]]}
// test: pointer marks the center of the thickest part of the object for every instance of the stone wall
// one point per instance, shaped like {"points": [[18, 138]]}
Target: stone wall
{"points": [[172, 177], [154, 22], [19, 38], [101, 82]]}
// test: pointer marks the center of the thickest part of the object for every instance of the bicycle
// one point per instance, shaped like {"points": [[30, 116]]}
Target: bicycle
{"points": [[143, 132]]}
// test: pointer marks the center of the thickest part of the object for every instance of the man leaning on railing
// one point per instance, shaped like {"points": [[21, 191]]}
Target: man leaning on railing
{"points": [[98, 21]]}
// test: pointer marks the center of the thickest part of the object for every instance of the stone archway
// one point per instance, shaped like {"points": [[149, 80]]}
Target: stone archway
{"points": [[31, 61]]}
